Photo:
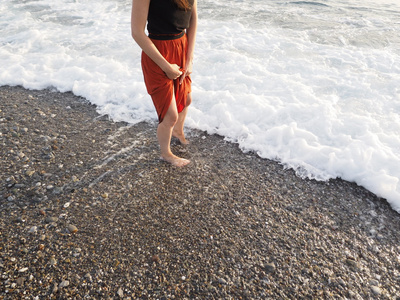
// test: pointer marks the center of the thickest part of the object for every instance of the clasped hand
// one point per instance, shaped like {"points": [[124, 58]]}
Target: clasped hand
{"points": [[175, 71]]}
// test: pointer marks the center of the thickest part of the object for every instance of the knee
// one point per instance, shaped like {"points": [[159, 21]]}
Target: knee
{"points": [[189, 99], [170, 119]]}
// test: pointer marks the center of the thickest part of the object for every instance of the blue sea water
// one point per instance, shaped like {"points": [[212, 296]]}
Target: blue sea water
{"points": [[312, 84]]}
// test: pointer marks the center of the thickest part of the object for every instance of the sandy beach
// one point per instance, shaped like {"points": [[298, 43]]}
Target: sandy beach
{"points": [[89, 211]]}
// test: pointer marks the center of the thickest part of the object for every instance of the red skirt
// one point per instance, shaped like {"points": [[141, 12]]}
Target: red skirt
{"points": [[158, 85]]}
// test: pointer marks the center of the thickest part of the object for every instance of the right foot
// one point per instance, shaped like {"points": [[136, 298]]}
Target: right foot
{"points": [[175, 160]]}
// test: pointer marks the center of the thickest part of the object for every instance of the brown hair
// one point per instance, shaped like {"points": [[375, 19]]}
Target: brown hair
{"points": [[182, 4]]}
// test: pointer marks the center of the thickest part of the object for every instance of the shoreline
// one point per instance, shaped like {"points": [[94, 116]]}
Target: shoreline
{"points": [[88, 209]]}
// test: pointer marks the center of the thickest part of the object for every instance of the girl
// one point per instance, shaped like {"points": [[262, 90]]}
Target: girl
{"points": [[167, 63]]}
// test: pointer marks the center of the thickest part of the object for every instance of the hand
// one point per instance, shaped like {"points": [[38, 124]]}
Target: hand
{"points": [[173, 72], [187, 71]]}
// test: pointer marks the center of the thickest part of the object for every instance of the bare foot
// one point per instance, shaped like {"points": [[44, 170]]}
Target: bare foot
{"points": [[175, 160], [181, 137]]}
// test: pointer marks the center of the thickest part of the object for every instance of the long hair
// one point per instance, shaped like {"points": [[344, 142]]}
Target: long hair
{"points": [[182, 4]]}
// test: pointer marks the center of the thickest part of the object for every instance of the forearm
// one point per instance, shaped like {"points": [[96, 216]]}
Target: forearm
{"points": [[150, 49]]}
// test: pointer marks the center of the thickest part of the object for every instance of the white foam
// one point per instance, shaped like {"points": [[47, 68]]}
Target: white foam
{"points": [[314, 85]]}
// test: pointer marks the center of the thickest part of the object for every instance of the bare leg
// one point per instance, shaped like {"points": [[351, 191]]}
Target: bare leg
{"points": [[164, 134], [178, 128]]}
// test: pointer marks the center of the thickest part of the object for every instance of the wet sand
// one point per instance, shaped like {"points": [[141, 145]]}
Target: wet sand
{"points": [[88, 210]]}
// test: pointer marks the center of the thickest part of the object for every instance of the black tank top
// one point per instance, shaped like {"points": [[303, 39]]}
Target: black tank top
{"points": [[166, 21]]}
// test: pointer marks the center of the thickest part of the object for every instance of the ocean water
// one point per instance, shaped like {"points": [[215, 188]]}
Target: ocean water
{"points": [[312, 84]]}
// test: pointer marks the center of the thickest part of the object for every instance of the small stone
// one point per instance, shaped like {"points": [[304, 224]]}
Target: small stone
{"points": [[23, 270], [222, 281], [72, 229], [41, 247], [20, 281], [341, 281], [88, 277], [374, 282], [29, 173], [33, 229], [270, 267], [155, 258], [57, 191], [120, 293], [352, 263], [51, 220], [53, 261], [376, 290], [18, 220], [63, 284]]}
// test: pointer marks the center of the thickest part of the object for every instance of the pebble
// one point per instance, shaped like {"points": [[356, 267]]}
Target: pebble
{"points": [[376, 290], [120, 292], [270, 267], [53, 261], [222, 281], [29, 173], [23, 270], [88, 277], [33, 229], [352, 263], [63, 284], [57, 191], [51, 219], [374, 283], [20, 281], [72, 229]]}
